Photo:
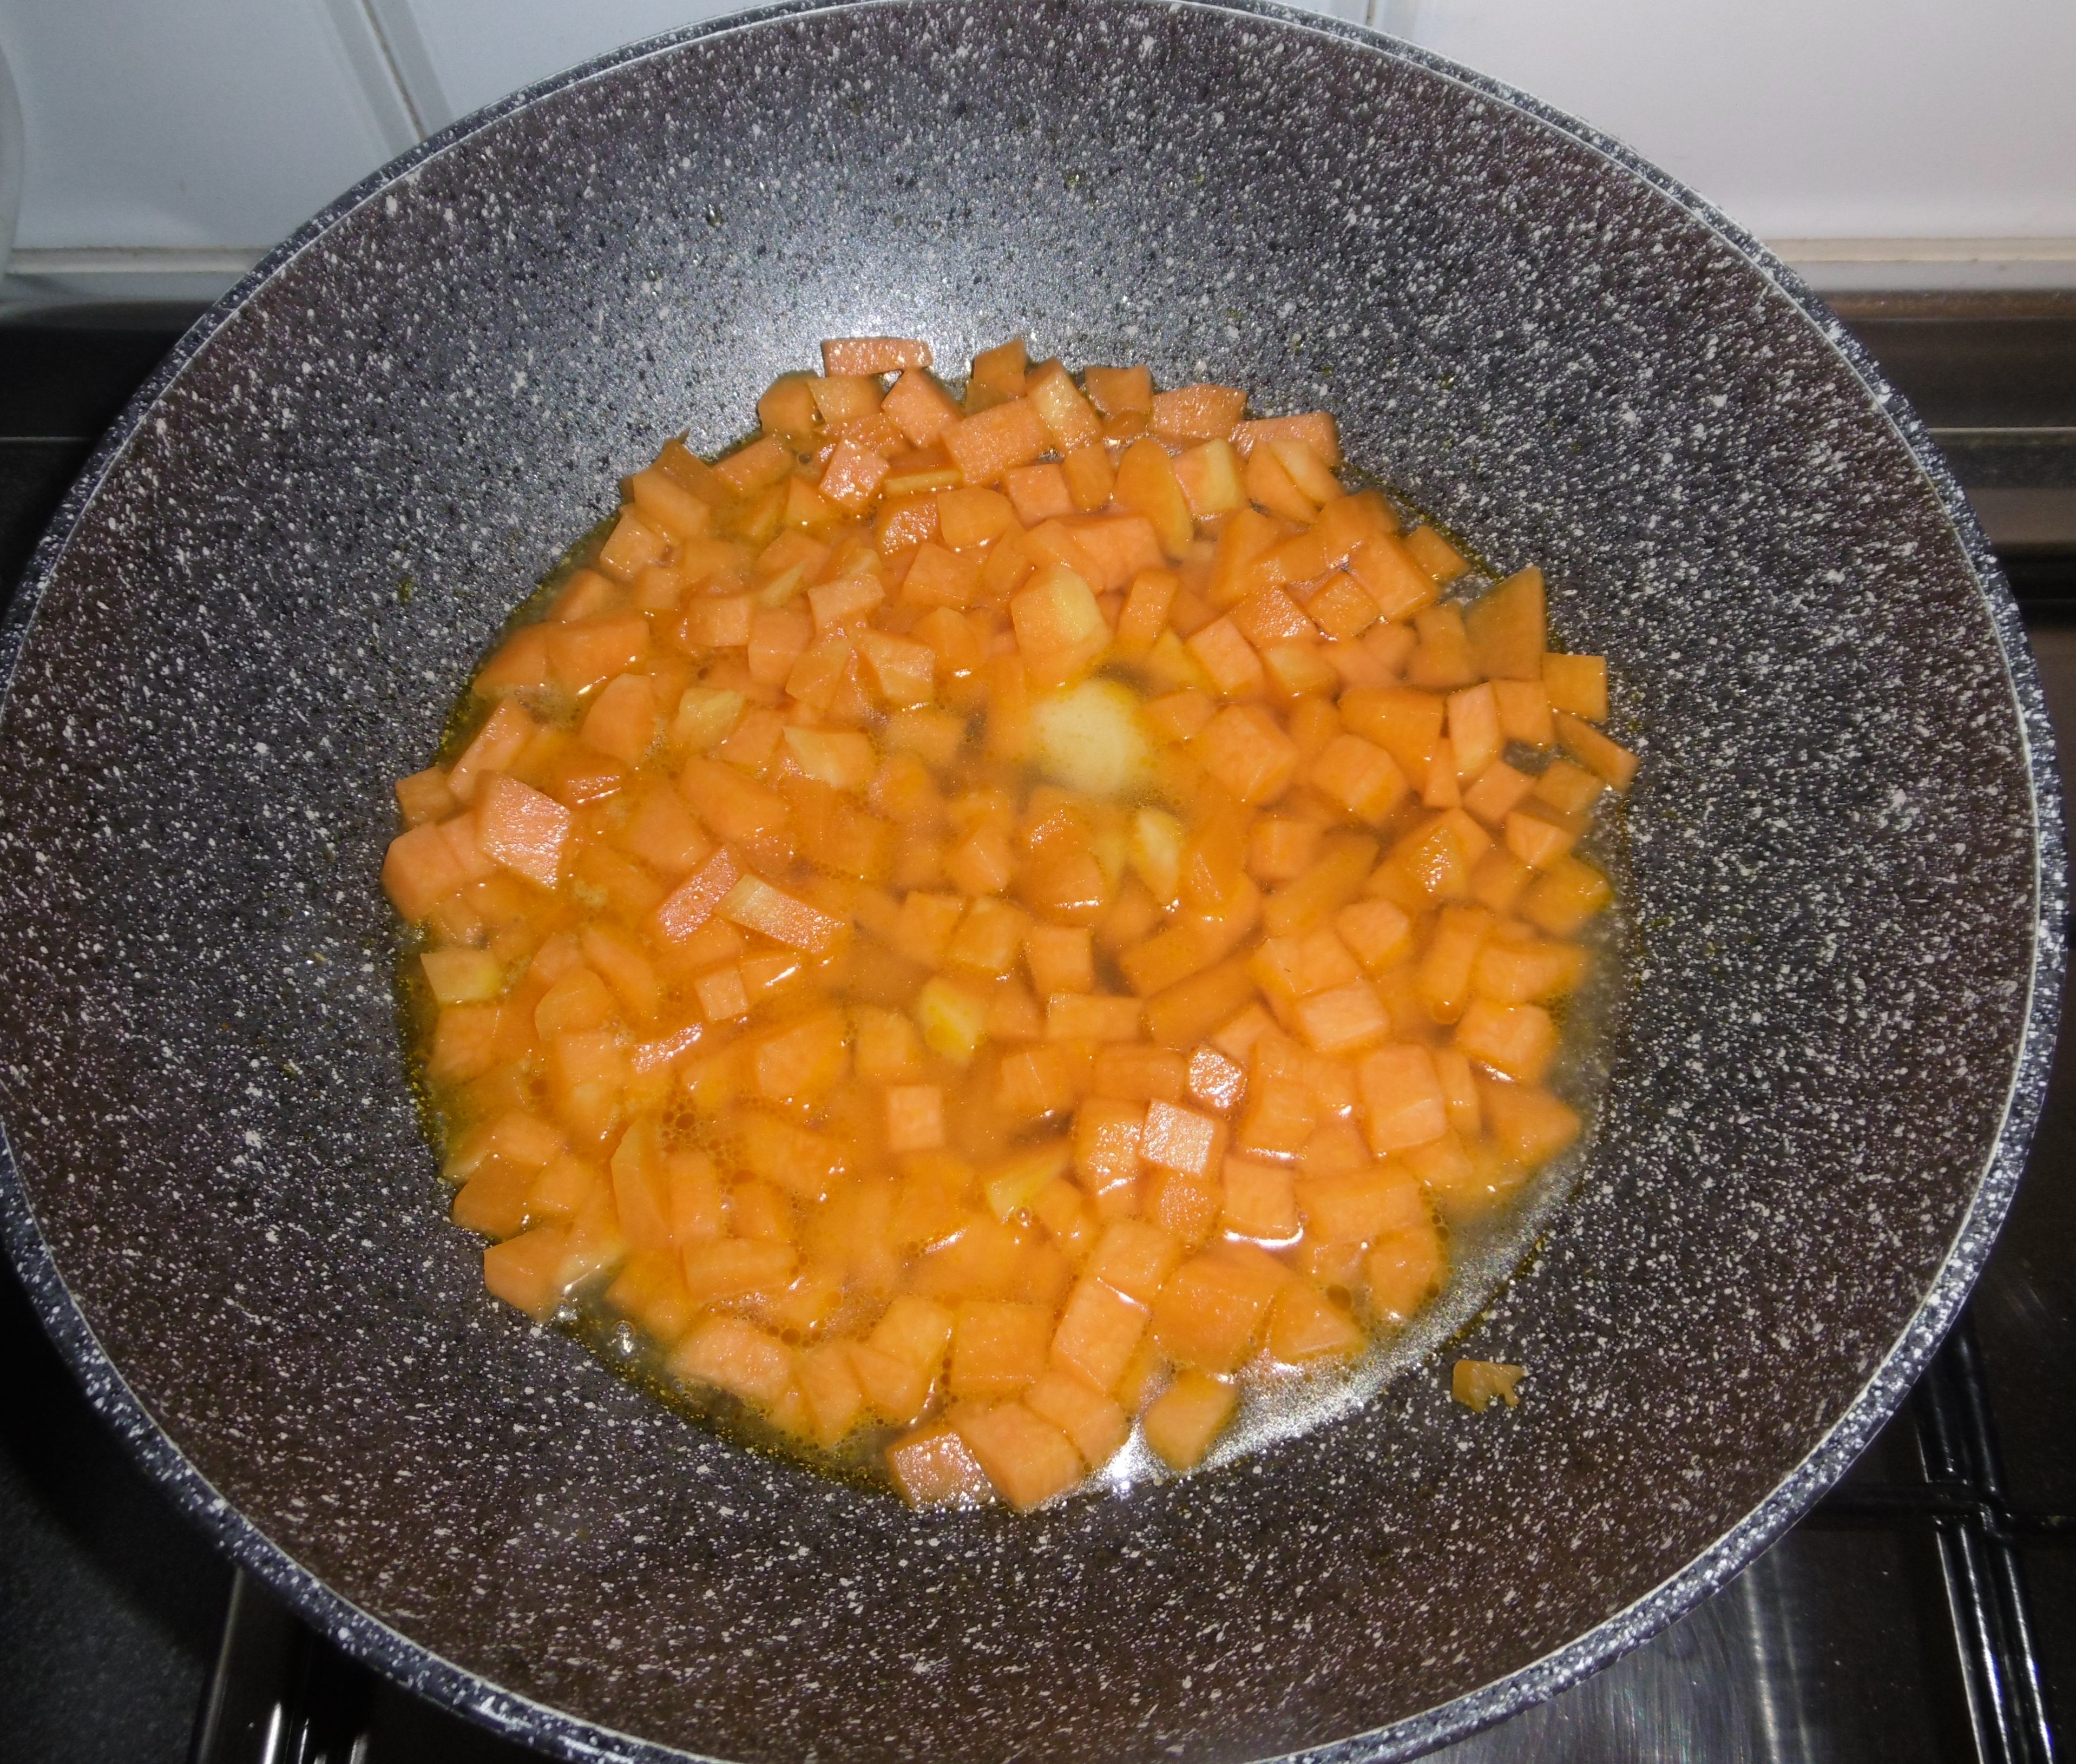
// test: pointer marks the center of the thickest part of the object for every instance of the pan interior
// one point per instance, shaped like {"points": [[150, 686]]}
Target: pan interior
{"points": [[1839, 871]]}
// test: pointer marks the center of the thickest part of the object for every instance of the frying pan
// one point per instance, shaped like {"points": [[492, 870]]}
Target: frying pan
{"points": [[1846, 879]]}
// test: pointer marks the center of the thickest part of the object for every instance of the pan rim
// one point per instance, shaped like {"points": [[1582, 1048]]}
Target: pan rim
{"points": [[369, 1639]]}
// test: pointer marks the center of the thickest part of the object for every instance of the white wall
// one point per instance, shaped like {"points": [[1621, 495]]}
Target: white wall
{"points": [[214, 127]]}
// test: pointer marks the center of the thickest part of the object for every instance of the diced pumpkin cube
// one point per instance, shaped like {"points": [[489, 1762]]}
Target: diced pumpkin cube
{"points": [[1227, 659], [1474, 731], [1526, 971], [1088, 475], [1060, 629], [919, 407], [1099, 1330], [1388, 573], [801, 1062], [1576, 684], [1342, 1020], [1039, 492], [1306, 1327], [997, 1348], [1281, 1115], [1095, 1424], [1507, 627], [1538, 840], [1403, 1271], [1435, 554], [1345, 860], [1443, 977], [755, 905], [737, 1357], [1067, 416], [934, 1466], [1359, 776], [1181, 1140], [1442, 659], [1258, 1200], [803, 1163], [1402, 1098], [1244, 751], [1211, 1312], [1187, 1417], [1189, 1010], [1199, 412], [1564, 897], [952, 1020], [864, 355], [1028, 1460], [1147, 484], [1209, 476], [1357, 1205], [524, 1270], [1496, 792], [1530, 1125], [1269, 484], [525, 830], [1516, 1039], [1377, 932], [1594, 751], [1315, 428], [1118, 391], [690, 906], [1569, 789], [985, 444]]}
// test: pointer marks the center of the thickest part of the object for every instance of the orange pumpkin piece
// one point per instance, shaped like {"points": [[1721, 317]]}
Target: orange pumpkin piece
{"points": [[1403, 1271], [1576, 685], [919, 407], [985, 446], [1530, 1125], [519, 828], [1306, 1327], [934, 1466], [737, 1357], [1187, 1417], [998, 1348], [1028, 1460], [1594, 751], [1095, 1425], [1212, 1310], [1402, 1098], [524, 1270], [1242, 748], [1565, 896], [873, 354], [1507, 629]]}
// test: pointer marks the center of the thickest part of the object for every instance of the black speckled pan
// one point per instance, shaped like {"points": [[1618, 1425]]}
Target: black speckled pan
{"points": [[1847, 860]]}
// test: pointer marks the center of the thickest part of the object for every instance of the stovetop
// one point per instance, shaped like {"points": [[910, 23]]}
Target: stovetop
{"points": [[1926, 1610]]}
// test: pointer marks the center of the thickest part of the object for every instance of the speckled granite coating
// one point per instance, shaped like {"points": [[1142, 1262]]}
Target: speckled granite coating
{"points": [[1847, 855]]}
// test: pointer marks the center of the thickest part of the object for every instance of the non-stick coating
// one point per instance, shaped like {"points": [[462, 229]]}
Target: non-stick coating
{"points": [[1846, 859]]}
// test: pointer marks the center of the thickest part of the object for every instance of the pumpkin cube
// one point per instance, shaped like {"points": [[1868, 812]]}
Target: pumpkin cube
{"points": [[1228, 658], [1402, 1099], [1028, 1460], [1306, 1327], [1211, 1312], [1528, 1124], [737, 1357], [1576, 684], [1260, 1201], [998, 1348], [1244, 751], [987, 444], [1403, 1271], [1187, 1417], [1095, 1424], [1507, 627], [934, 1466], [1359, 776]]}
